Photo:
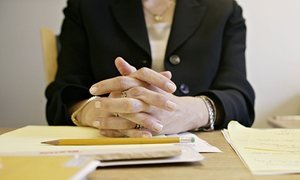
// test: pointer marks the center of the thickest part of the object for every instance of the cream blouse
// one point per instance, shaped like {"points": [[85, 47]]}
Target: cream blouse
{"points": [[158, 34]]}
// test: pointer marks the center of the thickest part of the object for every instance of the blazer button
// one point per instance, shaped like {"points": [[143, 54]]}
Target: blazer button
{"points": [[174, 59], [144, 61], [184, 88]]}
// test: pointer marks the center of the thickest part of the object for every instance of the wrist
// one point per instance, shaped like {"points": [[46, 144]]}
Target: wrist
{"points": [[77, 109]]}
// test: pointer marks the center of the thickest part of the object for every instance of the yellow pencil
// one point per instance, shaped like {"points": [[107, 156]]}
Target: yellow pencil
{"points": [[115, 141]]}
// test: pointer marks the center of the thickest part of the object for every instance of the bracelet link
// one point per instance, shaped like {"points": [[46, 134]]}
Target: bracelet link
{"points": [[212, 114]]}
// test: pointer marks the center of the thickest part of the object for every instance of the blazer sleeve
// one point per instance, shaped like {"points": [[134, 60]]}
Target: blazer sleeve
{"points": [[231, 89], [73, 77]]}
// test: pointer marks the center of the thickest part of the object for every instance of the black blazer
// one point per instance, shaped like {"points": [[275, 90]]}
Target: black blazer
{"points": [[205, 53]]}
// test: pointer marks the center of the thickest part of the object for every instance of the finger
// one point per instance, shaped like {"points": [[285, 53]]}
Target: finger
{"points": [[111, 133], [123, 67], [151, 97], [113, 123], [89, 113], [155, 79], [121, 105], [145, 120], [114, 94], [167, 74], [120, 83], [136, 133], [128, 133]]}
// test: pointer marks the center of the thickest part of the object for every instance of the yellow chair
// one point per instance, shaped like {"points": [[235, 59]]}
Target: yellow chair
{"points": [[50, 51]]}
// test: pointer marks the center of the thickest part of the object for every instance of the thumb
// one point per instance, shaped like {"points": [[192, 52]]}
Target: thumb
{"points": [[123, 67], [126, 69]]}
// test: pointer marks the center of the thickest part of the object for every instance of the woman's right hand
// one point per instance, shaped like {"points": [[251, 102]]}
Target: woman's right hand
{"points": [[92, 116]]}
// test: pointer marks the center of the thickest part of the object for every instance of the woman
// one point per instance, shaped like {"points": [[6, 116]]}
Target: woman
{"points": [[182, 67]]}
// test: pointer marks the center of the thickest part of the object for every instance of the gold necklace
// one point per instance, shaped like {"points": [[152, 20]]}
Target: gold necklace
{"points": [[158, 17]]}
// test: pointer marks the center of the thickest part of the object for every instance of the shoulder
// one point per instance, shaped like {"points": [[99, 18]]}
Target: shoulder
{"points": [[89, 2], [79, 6], [220, 5], [222, 8]]}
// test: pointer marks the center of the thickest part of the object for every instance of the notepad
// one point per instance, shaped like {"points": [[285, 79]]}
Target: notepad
{"points": [[266, 151]]}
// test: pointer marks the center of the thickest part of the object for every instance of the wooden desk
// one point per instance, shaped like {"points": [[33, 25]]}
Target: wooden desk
{"points": [[225, 165], [289, 121]]}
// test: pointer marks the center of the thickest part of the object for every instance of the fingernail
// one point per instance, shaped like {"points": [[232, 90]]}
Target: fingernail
{"points": [[97, 104], [157, 127], [170, 105], [171, 87], [93, 90], [96, 123]]}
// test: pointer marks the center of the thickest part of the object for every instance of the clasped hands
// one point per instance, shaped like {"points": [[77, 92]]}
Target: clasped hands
{"points": [[141, 104]]}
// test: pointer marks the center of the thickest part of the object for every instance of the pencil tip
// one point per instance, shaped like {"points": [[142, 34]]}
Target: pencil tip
{"points": [[50, 142]]}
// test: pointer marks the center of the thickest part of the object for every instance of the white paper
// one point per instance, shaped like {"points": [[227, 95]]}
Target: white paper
{"points": [[199, 145]]}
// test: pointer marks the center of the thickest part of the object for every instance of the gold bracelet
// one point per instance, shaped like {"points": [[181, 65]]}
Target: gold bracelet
{"points": [[74, 114], [212, 114]]}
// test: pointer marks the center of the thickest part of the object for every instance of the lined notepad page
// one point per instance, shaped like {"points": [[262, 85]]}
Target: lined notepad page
{"points": [[266, 151]]}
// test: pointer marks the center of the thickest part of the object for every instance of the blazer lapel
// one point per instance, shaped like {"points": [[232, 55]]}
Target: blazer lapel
{"points": [[129, 14], [187, 17]]}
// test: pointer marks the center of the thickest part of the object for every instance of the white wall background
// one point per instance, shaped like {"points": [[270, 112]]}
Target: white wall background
{"points": [[273, 57], [22, 80]]}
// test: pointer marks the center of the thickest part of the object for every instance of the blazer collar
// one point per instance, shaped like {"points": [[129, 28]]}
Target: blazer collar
{"points": [[129, 14], [187, 17]]}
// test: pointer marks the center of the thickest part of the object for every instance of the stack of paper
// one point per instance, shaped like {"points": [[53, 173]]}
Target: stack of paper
{"points": [[27, 141], [266, 151]]}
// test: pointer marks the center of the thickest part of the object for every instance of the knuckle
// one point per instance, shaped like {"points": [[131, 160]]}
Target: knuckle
{"points": [[122, 82], [143, 71], [103, 124], [132, 106], [127, 106], [144, 120], [104, 104], [159, 98], [136, 91]]}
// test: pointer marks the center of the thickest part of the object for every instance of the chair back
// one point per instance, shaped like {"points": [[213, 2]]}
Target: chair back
{"points": [[50, 52]]}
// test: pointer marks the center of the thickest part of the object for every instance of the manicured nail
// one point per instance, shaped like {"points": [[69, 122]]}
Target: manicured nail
{"points": [[96, 124], [171, 87], [98, 104], [170, 105], [93, 90], [157, 127]]}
